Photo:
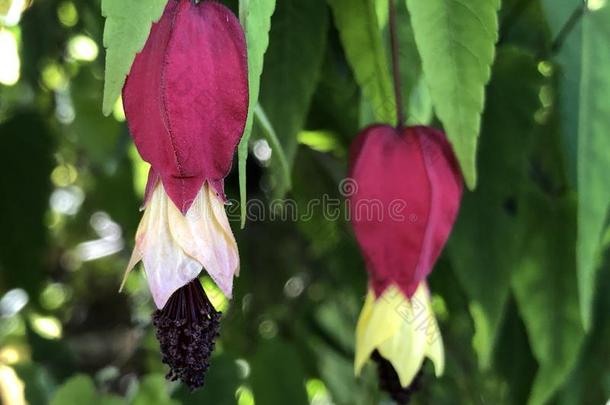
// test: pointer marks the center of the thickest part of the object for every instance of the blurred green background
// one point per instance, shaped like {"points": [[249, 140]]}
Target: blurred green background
{"points": [[71, 184]]}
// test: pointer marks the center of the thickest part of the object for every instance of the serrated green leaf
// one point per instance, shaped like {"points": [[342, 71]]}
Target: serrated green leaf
{"points": [[128, 24], [546, 293], [456, 41], [482, 261], [255, 16], [297, 44], [361, 36]]}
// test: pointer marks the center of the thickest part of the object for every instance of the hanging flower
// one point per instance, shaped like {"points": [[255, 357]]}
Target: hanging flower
{"points": [[413, 175], [186, 101]]}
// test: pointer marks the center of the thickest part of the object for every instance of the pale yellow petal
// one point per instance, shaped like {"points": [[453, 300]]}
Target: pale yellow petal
{"points": [[406, 348], [378, 324], [404, 331], [429, 329]]}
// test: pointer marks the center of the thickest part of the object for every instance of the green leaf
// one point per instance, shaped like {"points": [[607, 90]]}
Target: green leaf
{"points": [[546, 293], [255, 16], [484, 261], [277, 377], [221, 381], [81, 390], [153, 391], [456, 41], [128, 24], [593, 159], [292, 68], [361, 36], [589, 381], [584, 58], [77, 390]]}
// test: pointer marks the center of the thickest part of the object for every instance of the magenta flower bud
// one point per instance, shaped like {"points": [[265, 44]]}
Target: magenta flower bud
{"points": [[406, 199], [186, 97], [186, 102]]}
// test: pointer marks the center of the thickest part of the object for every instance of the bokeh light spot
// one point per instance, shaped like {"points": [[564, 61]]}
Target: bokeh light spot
{"points": [[67, 14], [244, 396], [64, 175], [82, 48], [9, 55], [48, 327]]}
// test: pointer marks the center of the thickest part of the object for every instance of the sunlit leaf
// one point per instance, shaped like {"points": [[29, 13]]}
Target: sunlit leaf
{"points": [[456, 42], [128, 24]]}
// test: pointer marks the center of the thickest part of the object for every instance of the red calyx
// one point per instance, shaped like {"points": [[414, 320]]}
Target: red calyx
{"points": [[408, 194], [186, 97]]}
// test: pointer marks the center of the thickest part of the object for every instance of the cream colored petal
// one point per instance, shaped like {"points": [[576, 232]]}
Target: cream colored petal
{"points": [[378, 322], [136, 257], [167, 266], [204, 234], [136, 254], [222, 222]]}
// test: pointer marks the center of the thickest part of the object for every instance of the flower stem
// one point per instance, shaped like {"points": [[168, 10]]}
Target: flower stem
{"points": [[400, 115]]}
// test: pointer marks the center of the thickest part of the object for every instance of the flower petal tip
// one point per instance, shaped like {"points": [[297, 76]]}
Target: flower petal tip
{"points": [[403, 330]]}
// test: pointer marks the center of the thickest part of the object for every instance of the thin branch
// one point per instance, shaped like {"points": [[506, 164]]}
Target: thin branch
{"points": [[400, 114], [568, 27]]}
